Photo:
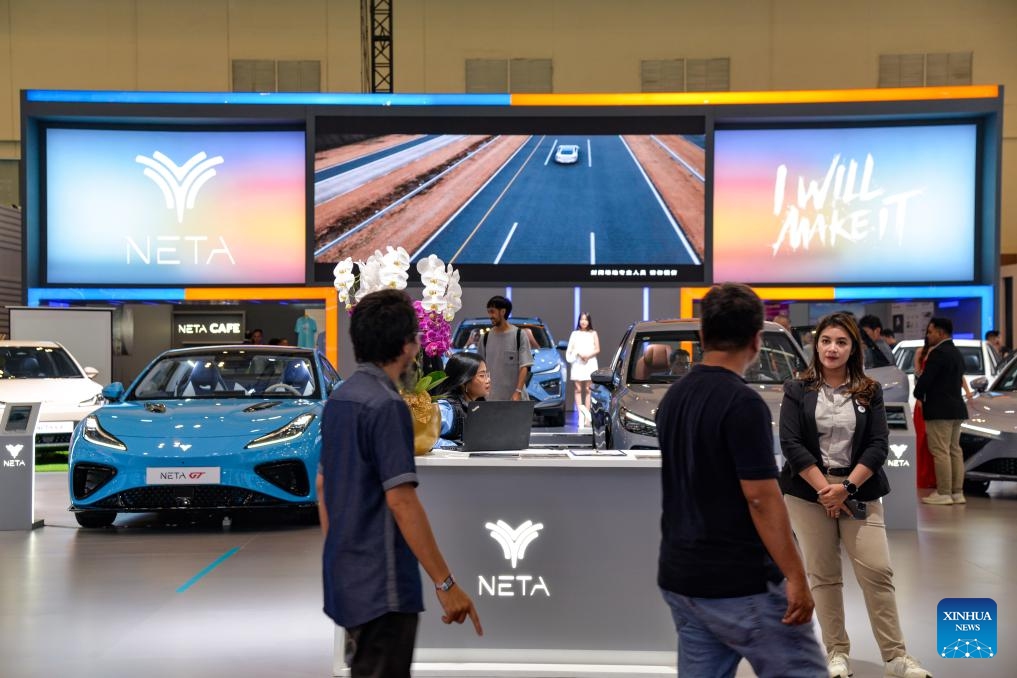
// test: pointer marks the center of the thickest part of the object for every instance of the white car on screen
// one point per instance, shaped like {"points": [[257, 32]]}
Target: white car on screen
{"points": [[45, 372], [567, 154]]}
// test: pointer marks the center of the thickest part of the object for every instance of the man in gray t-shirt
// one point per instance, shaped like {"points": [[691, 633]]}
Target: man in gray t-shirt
{"points": [[506, 350]]}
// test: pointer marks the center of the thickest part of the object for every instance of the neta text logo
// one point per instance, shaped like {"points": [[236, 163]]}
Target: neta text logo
{"points": [[966, 628], [14, 451], [513, 545], [898, 455]]}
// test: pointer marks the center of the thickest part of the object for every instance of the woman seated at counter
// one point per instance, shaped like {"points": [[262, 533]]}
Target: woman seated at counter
{"points": [[467, 380]]}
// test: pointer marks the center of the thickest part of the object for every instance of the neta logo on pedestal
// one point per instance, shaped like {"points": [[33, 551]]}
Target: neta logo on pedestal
{"points": [[14, 451], [966, 628], [513, 545], [898, 454]]}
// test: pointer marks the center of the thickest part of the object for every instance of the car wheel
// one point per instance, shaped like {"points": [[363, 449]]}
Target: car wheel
{"points": [[976, 487], [95, 519]]}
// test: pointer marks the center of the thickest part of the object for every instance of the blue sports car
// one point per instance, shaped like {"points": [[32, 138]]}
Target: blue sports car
{"points": [[218, 428]]}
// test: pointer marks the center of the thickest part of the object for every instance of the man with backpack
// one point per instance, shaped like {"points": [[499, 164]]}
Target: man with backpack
{"points": [[506, 350]]}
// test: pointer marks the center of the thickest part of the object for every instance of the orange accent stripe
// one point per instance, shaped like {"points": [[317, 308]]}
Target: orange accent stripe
{"points": [[688, 295], [776, 97], [326, 295]]}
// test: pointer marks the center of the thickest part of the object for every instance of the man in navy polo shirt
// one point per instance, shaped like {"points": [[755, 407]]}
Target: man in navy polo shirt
{"points": [[375, 527], [726, 541]]}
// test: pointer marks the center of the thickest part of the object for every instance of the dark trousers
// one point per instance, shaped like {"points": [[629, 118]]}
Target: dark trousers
{"points": [[383, 647]]}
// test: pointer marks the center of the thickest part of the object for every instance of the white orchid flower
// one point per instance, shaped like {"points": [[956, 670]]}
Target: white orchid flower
{"points": [[394, 266], [344, 278], [453, 294], [370, 275]]}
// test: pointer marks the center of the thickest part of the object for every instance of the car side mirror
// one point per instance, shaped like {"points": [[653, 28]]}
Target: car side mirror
{"points": [[980, 384], [603, 378], [563, 345], [113, 392], [91, 372]]}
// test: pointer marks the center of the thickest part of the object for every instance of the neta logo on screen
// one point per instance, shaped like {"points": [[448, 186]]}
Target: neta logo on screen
{"points": [[180, 186], [845, 207], [513, 545]]}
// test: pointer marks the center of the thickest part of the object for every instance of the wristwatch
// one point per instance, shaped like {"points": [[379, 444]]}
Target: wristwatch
{"points": [[445, 585], [850, 487]]}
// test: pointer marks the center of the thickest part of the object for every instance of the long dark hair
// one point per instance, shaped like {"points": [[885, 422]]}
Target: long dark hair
{"points": [[589, 321], [460, 370], [860, 387]]}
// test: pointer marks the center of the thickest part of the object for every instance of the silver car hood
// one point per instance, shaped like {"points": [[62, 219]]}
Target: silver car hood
{"points": [[643, 399], [995, 410]]}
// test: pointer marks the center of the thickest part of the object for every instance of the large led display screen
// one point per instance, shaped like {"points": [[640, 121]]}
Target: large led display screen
{"points": [[175, 207], [511, 207], [890, 204]]}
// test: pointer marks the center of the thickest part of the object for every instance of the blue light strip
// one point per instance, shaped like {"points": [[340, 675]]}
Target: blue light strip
{"points": [[982, 292], [38, 295], [508, 293], [646, 304], [577, 303], [267, 98], [216, 563]]}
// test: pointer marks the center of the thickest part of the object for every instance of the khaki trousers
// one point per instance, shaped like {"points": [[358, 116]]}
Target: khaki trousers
{"points": [[944, 445], [820, 537]]}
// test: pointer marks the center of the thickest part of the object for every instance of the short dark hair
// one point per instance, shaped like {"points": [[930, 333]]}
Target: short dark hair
{"points": [[944, 325], [991, 334], [871, 322], [589, 320], [501, 303], [382, 323], [732, 315], [887, 332]]}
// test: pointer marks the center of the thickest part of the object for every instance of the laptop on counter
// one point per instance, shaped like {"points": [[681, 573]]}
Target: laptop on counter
{"points": [[502, 425]]}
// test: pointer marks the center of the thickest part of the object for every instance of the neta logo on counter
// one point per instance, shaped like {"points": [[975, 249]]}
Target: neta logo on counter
{"points": [[513, 545]]}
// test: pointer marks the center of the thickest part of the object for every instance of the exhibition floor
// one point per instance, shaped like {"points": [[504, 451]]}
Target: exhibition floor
{"points": [[152, 599]]}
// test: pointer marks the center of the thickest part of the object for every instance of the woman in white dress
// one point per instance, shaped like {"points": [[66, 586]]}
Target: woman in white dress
{"points": [[584, 345]]}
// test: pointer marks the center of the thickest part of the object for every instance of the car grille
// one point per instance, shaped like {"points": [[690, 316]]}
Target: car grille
{"points": [[186, 496], [552, 387], [971, 444], [1002, 467]]}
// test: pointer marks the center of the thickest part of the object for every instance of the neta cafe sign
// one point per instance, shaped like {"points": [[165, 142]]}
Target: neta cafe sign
{"points": [[208, 328]]}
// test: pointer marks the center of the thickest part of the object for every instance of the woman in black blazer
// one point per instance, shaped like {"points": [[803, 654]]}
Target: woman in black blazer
{"points": [[834, 437]]}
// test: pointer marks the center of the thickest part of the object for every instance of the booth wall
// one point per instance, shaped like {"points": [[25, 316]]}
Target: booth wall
{"points": [[595, 45]]}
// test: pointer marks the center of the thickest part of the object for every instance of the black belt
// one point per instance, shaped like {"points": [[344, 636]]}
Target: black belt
{"points": [[842, 471]]}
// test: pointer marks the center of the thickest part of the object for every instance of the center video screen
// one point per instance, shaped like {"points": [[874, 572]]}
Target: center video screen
{"points": [[546, 206]]}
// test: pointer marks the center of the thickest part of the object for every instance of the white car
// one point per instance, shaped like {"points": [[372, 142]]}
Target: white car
{"points": [[45, 372], [980, 360], [567, 154]]}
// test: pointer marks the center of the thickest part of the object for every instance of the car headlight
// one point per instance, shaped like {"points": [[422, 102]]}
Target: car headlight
{"points": [[93, 432], [633, 423], [290, 431], [97, 399]]}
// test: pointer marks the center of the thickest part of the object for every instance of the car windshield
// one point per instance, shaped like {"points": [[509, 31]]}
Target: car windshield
{"points": [[229, 374], [973, 359], [664, 357], [468, 334], [37, 362]]}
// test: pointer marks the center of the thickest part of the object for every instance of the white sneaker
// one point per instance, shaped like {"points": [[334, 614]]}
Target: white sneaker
{"points": [[958, 498], [837, 663], [937, 498], [906, 666]]}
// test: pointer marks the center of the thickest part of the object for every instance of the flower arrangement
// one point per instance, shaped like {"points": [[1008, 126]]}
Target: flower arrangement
{"points": [[442, 298]]}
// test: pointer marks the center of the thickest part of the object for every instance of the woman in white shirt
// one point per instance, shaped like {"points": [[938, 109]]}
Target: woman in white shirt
{"points": [[584, 345]]}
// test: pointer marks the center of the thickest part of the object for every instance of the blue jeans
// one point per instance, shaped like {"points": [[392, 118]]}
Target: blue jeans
{"points": [[715, 633]]}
